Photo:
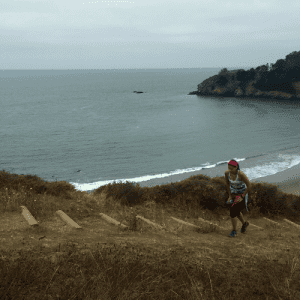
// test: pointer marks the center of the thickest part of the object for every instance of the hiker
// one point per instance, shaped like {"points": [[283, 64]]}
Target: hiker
{"points": [[238, 186]]}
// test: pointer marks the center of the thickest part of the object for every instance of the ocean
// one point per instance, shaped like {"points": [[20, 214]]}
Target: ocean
{"points": [[89, 128]]}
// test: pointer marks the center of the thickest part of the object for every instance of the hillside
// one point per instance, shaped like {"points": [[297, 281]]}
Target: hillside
{"points": [[280, 81], [153, 255]]}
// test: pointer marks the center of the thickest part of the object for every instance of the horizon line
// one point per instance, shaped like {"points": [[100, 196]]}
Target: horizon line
{"points": [[119, 69]]}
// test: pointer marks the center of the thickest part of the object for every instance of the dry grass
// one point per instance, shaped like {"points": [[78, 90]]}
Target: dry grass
{"points": [[134, 271]]}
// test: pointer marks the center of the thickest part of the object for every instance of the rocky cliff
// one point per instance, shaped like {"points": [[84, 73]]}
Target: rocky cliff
{"points": [[209, 87]]}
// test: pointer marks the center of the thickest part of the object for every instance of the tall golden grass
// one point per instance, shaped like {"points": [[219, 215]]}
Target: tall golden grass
{"points": [[135, 272]]}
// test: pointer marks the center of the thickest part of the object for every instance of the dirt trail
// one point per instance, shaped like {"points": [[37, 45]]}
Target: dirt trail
{"points": [[16, 234]]}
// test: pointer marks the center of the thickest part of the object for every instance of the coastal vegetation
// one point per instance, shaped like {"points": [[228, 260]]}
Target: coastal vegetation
{"points": [[120, 273], [280, 81]]}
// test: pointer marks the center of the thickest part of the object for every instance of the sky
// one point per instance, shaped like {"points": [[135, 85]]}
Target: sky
{"points": [[146, 34]]}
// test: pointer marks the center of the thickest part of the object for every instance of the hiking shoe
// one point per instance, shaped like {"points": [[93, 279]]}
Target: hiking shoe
{"points": [[243, 229], [233, 233]]}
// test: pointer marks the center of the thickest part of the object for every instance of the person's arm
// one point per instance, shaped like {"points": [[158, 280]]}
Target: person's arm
{"points": [[248, 184], [228, 189], [227, 184]]}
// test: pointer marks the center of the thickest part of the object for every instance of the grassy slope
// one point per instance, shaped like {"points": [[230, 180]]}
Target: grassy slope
{"points": [[125, 275]]}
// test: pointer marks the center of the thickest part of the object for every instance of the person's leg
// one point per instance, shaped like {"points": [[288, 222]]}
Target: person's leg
{"points": [[234, 223], [235, 214], [241, 218]]}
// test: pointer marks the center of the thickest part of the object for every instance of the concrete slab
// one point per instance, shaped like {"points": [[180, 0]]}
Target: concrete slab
{"points": [[273, 222], [185, 223], [112, 221], [150, 223], [67, 219], [28, 216], [292, 223]]}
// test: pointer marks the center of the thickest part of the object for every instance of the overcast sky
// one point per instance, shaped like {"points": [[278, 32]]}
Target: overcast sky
{"points": [[146, 34]]}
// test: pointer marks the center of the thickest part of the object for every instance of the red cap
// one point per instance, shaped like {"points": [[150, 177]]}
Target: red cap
{"points": [[233, 163]]}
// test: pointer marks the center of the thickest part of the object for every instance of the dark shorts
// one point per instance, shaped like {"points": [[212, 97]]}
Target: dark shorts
{"points": [[237, 208]]}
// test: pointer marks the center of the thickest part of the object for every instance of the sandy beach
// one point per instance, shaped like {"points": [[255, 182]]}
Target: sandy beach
{"points": [[288, 181]]}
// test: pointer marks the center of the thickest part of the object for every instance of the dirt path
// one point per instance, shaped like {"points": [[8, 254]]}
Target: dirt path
{"points": [[52, 237]]}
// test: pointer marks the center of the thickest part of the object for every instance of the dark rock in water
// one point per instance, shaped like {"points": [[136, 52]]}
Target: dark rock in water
{"points": [[194, 93], [138, 92]]}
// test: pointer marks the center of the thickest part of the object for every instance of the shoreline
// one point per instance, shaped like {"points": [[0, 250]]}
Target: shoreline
{"points": [[262, 94], [288, 181]]}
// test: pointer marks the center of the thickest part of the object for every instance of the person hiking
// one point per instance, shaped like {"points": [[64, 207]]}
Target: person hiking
{"points": [[238, 186]]}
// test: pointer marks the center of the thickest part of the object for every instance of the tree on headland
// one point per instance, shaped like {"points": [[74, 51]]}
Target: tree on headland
{"points": [[223, 71], [222, 80], [281, 77]]}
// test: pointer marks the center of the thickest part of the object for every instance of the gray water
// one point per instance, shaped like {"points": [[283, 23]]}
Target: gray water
{"points": [[87, 127]]}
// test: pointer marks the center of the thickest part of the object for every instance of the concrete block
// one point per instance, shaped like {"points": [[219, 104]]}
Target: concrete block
{"points": [[258, 227], [28, 217], [67, 219], [185, 223], [112, 221], [292, 223], [150, 223], [273, 222]]}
